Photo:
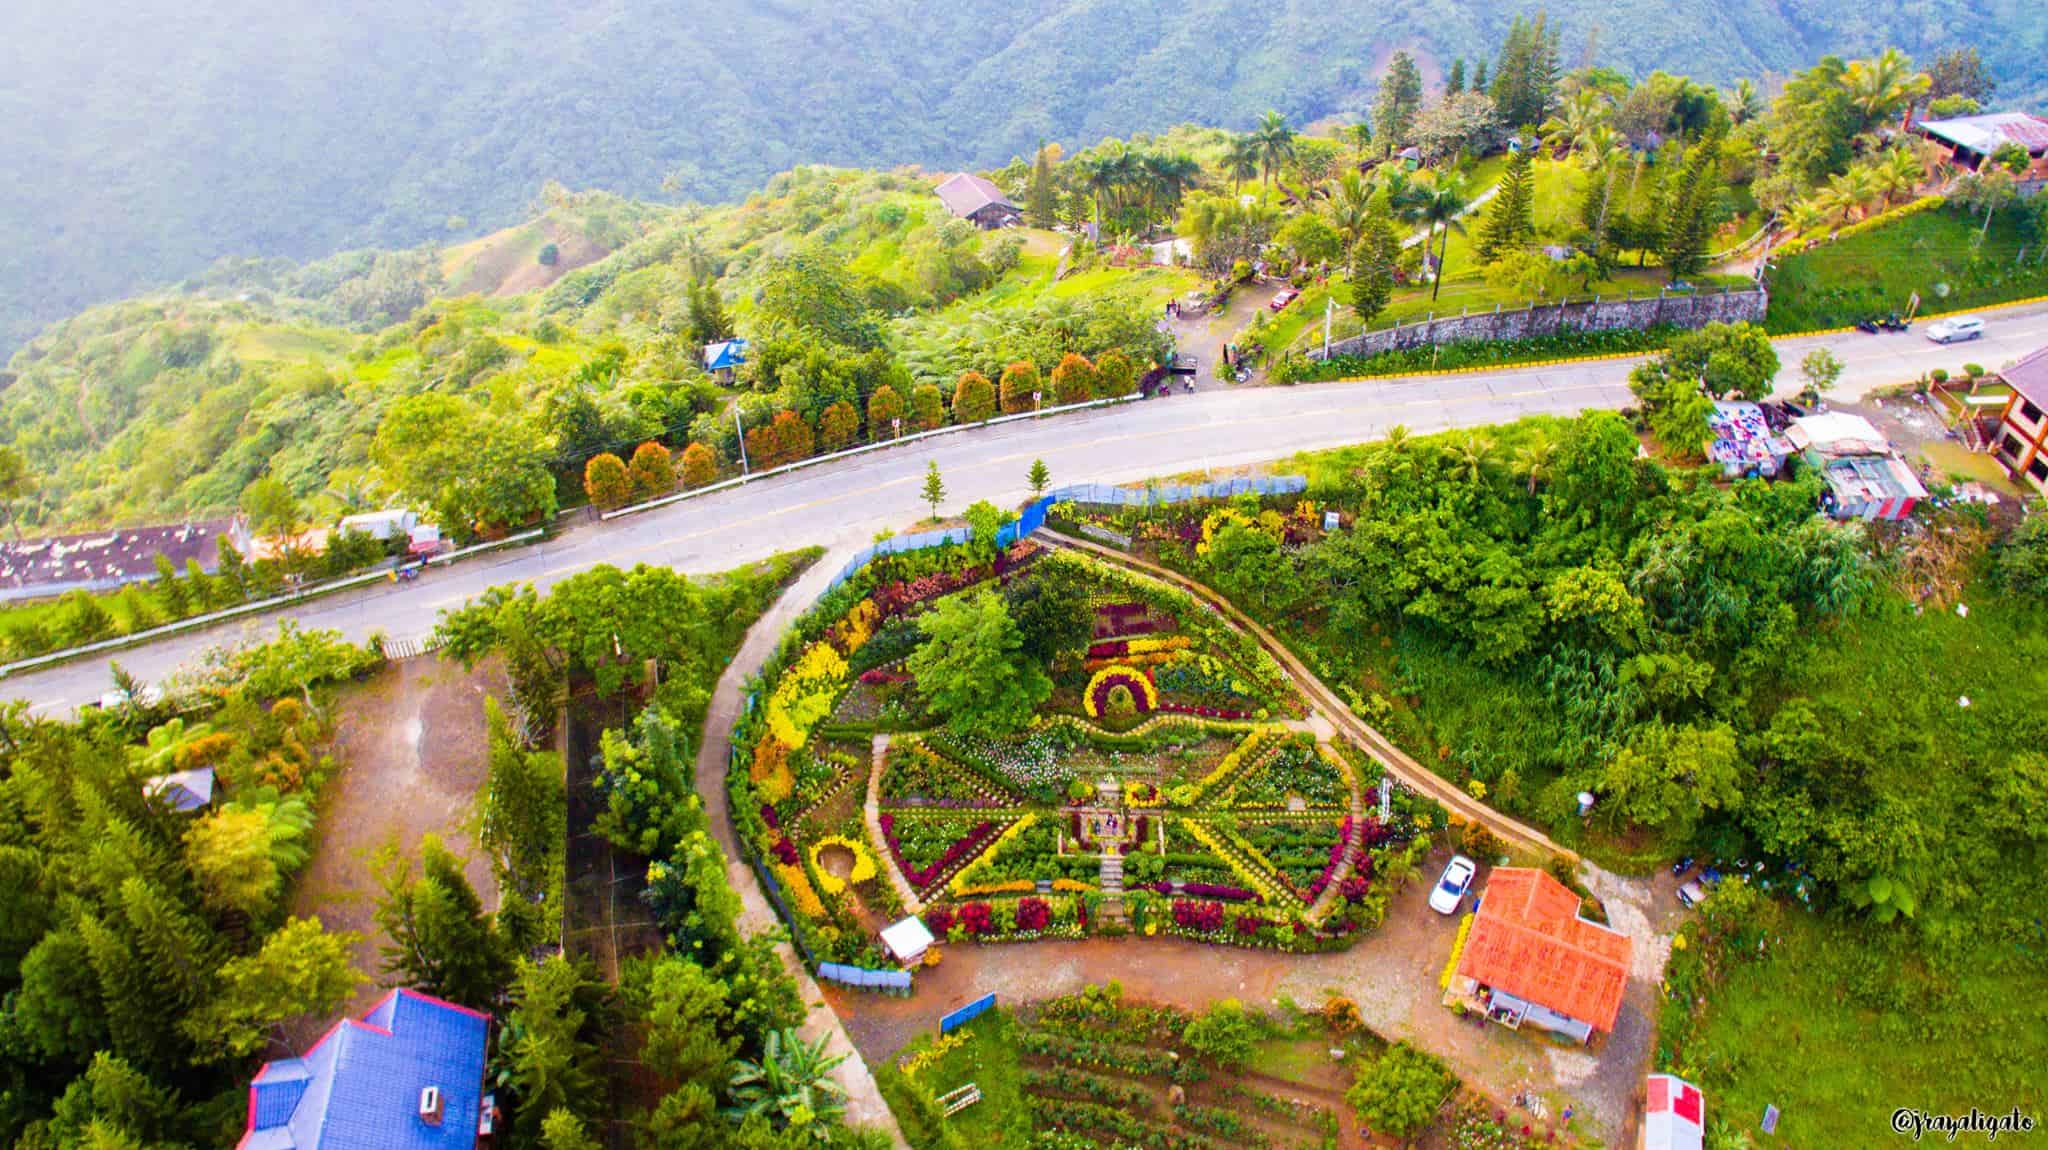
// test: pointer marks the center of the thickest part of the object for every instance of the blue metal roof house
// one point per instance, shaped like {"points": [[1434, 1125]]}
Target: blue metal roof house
{"points": [[724, 356], [409, 1075]]}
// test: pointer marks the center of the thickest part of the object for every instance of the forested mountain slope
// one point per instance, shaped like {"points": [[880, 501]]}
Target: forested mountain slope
{"points": [[145, 140]]}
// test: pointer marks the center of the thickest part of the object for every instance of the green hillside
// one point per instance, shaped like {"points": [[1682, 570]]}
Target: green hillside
{"points": [[146, 140]]}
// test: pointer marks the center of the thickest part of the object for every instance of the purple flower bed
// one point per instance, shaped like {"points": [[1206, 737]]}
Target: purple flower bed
{"points": [[1204, 712], [962, 848], [769, 816], [947, 804], [1210, 890]]}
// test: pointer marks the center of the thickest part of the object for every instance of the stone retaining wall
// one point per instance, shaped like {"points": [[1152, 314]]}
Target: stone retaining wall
{"points": [[1688, 310]]}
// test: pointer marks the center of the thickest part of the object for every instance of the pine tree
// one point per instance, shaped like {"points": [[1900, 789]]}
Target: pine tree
{"points": [[1479, 76], [1038, 477], [1511, 74], [1454, 82], [1399, 101], [182, 951], [1687, 223], [1372, 265], [1510, 219], [136, 1010], [1041, 197], [934, 487], [442, 942]]}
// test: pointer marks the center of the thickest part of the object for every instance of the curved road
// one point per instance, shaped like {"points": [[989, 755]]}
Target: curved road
{"points": [[843, 505]]}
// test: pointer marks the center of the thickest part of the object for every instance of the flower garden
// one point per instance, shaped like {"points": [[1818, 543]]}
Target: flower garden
{"points": [[1162, 787]]}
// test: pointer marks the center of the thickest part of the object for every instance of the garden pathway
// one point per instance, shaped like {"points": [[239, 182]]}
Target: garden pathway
{"points": [[871, 814], [1342, 871], [1332, 710], [864, 1103]]}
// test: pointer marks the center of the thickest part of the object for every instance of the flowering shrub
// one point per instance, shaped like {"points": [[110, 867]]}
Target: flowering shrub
{"points": [[802, 897], [977, 918], [1249, 924], [879, 677], [1355, 888], [851, 633], [1204, 917], [938, 919], [770, 771], [1096, 698], [1033, 914], [805, 694], [785, 851], [863, 864]]}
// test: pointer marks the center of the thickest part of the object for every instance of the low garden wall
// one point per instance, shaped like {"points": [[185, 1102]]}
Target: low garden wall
{"points": [[1684, 310]]}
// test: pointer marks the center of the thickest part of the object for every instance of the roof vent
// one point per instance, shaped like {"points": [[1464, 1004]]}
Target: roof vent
{"points": [[430, 1105]]}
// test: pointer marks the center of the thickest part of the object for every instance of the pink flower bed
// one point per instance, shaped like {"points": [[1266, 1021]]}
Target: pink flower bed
{"points": [[1315, 889], [1204, 712], [1209, 890], [1204, 917], [879, 677]]}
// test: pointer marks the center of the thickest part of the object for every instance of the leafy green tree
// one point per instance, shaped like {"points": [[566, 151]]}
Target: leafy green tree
{"points": [[1224, 1032], [550, 1051], [1667, 776], [927, 409], [115, 1105], [2022, 558], [301, 970], [813, 293], [441, 941], [1728, 359], [1399, 101], [1020, 387], [700, 465], [229, 851], [1399, 1092], [791, 1085], [1310, 239], [1510, 219], [525, 816], [971, 667], [270, 507], [985, 520], [1960, 72], [1821, 368], [562, 1130], [974, 398], [478, 471], [707, 319], [1813, 123], [1115, 375], [57, 1004], [1073, 379], [934, 491], [605, 480], [838, 427], [15, 482], [885, 407], [1039, 477]]}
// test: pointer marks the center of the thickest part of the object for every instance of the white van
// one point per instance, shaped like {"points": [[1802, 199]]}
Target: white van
{"points": [[1956, 329]]}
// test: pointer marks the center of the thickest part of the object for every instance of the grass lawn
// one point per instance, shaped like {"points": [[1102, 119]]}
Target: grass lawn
{"points": [[1837, 1029], [1878, 271], [259, 344], [988, 1058]]}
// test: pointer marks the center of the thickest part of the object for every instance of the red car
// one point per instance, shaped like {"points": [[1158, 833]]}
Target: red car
{"points": [[1286, 296]]}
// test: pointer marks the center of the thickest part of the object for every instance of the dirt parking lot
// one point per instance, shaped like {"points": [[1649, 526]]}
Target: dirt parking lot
{"points": [[410, 744]]}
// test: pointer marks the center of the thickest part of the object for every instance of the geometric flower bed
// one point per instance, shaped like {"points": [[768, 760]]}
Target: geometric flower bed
{"points": [[1159, 746]]}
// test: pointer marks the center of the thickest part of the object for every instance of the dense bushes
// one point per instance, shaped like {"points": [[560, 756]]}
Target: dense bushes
{"points": [[1568, 344]]}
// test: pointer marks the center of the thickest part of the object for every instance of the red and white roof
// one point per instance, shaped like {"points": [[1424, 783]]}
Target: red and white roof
{"points": [[1675, 1114]]}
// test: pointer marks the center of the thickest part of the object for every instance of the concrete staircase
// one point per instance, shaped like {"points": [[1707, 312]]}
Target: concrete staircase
{"points": [[1112, 881]]}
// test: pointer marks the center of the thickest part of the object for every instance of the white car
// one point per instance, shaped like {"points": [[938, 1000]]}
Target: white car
{"points": [[1451, 888], [1956, 329]]}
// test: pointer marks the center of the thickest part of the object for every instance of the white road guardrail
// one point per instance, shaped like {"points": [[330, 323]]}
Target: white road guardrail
{"points": [[198, 622]]}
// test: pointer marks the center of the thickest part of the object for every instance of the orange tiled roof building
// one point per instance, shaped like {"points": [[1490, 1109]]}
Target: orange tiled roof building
{"points": [[1532, 959]]}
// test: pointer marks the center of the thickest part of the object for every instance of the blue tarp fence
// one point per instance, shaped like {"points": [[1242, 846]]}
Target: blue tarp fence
{"points": [[954, 1020], [891, 981], [1101, 494]]}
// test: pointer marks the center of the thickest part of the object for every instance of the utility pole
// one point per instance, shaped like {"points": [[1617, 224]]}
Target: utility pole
{"points": [[1329, 310], [742, 428]]}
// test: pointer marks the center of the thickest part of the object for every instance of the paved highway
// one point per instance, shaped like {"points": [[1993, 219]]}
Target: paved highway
{"points": [[843, 505]]}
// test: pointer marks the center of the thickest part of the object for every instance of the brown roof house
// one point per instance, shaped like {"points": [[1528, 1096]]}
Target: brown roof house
{"points": [[2021, 442], [1529, 959], [970, 197]]}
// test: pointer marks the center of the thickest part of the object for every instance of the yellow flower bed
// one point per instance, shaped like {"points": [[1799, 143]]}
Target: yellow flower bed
{"points": [[959, 884], [1148, 696], [1237, 755], [802, 897], [805, 694], [1071, 886], [863, 864], [853, 632], [1017, 886], [1256, 882], [1457, 952]]}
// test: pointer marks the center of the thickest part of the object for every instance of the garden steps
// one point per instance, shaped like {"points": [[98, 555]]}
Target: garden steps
{"points": [[1111, 879], [1326, 901]]}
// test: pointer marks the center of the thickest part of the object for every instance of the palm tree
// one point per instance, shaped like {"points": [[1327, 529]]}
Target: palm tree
{"points": [[1171, 174], [1898, 174], [791, 1086], [1602, 156], [1849, 191], [1804, 216], [1533, 460], [1577, 119], [1275, 142], [1746, 104], [1350, 206], [1884, 85], [1473, 457], [1438, 205], [1241, 160]]}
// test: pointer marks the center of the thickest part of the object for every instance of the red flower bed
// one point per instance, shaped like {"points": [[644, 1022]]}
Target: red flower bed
{"points": [[1248, 924], [977, 918], [939, 920], [878, 677], [1204, 712], [1356, 888], [1033, 914], [1198, 916], [786, 852]]}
